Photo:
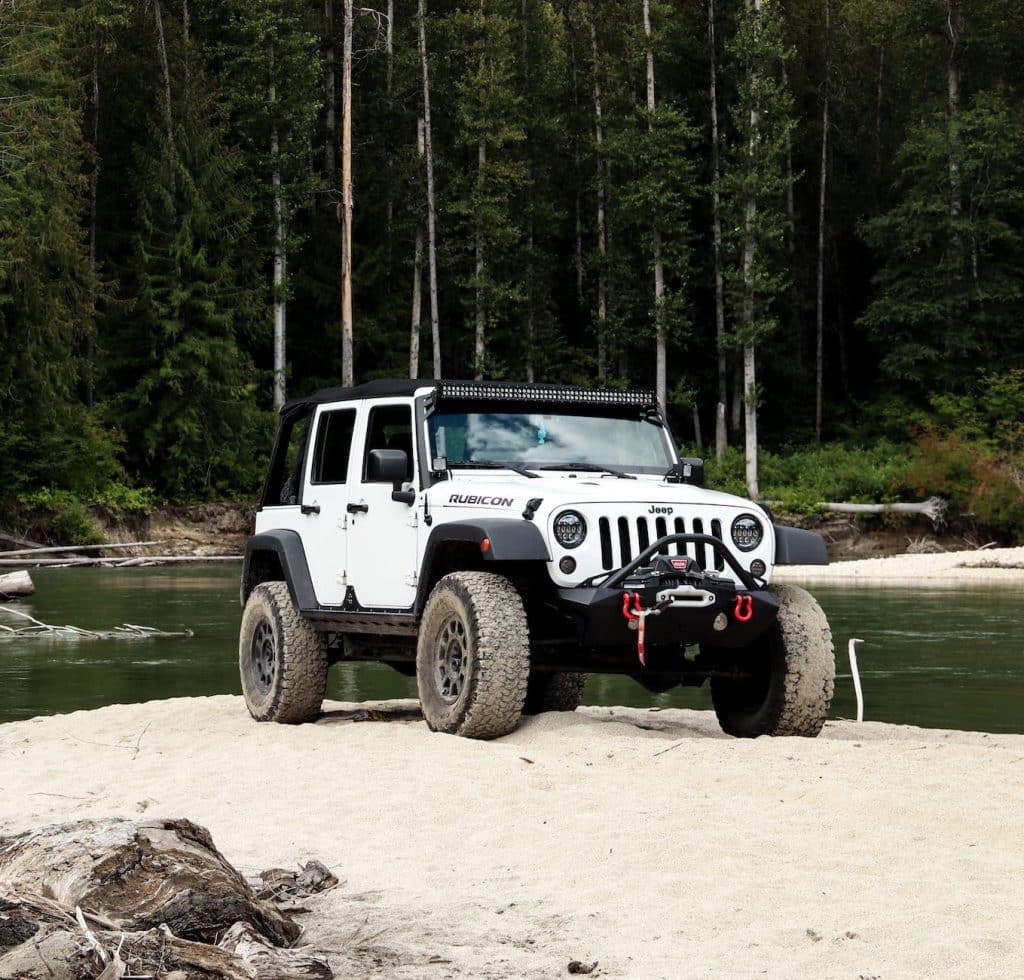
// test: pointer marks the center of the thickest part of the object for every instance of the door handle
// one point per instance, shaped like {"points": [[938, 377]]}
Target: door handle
{"points": [[358, 508], [309, 508]]}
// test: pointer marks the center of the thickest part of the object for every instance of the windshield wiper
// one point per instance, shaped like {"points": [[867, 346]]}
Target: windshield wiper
{"points": [[487, 464], [588, 468]]}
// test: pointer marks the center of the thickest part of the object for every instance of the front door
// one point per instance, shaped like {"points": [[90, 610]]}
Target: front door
{"points": [[382, 532], [325, 502]]}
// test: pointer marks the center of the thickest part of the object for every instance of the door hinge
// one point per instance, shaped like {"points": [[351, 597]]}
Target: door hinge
{"points": [[343, 578], [414, 520], [343, 523], [412, 579]]}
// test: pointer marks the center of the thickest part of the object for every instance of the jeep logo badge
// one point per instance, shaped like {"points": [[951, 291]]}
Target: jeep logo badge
{"points": [[659, 510]]}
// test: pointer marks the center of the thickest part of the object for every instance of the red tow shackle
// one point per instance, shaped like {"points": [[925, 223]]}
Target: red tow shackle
{"points": [[743, 611]]}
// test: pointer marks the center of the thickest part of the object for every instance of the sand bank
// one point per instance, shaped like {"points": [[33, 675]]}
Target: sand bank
{"points": [[988, 566], [645, 840]]}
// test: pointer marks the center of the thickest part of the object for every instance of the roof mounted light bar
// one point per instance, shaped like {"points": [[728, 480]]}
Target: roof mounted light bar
{"points": [[510, 391]]}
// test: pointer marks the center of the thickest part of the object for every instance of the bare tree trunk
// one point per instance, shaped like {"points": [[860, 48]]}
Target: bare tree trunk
{"points": [[417, 280], [480, 347], [749, 311], [721, 433], [819, 351], [346, 201], [660, 359], [164, 67], [530, 325], [94, 179], [602, 240], [330, 96], [389, 51], [878, 112], [435, 327], [280, 253], [578, 245], [955, 26]]}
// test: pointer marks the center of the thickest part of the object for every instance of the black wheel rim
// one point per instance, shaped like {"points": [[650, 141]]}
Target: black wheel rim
{"points": [[262, 654], [451, 659]]}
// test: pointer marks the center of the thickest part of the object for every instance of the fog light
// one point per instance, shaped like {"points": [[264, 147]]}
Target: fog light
{"points": [[567, 565], [758, 568], [721, 621]]}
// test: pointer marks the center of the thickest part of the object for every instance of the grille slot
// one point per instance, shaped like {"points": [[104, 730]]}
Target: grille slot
{"points": [[716, 532], [680, 529], [643, 534], [605, 531], [660, 532], [624, 545], [701, 549]]}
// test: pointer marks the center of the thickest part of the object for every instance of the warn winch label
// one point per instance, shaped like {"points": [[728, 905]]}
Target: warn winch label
{"points": [[459, 498]]}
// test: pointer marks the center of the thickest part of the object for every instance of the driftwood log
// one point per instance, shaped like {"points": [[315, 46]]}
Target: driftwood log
{"points": [[117, 898], [15, 584]]}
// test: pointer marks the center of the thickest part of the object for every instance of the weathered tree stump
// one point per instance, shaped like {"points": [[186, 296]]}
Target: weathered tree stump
{"points": [[144, 898], [16, 584]]}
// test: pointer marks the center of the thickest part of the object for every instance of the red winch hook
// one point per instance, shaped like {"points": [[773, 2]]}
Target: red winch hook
{"points": [[743, 611], [639, 613]]}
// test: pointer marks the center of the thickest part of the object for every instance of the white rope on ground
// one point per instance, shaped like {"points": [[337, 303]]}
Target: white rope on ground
{"points": [[852, 650]]}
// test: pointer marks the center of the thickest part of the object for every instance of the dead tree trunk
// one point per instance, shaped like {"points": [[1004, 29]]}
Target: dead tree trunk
{"points": [[602, 192], [15, 584], [480, 350], [347, 370], [819, 348], [164, 67], [93, 897], [660, 359], [330, 98], [721, 431], [417, 281], [280, 256], [435, 325]]}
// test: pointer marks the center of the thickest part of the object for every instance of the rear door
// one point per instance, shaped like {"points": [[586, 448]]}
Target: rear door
{"points": [[382, 532], [325, 500]]}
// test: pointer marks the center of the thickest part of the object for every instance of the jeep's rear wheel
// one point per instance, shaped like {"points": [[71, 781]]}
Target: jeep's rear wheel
{"points": [[789, 674], [473, 656], [281, 658], [558, 690]]}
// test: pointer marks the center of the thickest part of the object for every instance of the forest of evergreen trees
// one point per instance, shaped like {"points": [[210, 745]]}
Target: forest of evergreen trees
{"points": [[816, 203]]}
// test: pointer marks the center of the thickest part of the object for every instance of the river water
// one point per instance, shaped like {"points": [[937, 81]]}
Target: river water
{"points": [[936, 658]]}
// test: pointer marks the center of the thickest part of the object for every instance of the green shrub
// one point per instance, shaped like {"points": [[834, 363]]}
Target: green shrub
{"points": [[122, 499], [70, 522]]}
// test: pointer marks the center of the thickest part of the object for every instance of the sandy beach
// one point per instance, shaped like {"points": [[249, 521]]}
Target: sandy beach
{"points": [[642, 839]]}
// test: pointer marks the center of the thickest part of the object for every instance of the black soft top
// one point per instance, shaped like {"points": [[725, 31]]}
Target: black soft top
{"points": [[551, 394]]}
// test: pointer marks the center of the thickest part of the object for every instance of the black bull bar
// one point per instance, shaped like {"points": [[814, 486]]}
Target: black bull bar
{"points": [[698, 607]]}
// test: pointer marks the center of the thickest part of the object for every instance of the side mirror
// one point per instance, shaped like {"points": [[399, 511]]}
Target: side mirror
{"points": [[390, 466]]}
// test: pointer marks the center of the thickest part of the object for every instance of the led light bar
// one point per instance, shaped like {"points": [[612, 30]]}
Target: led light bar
{"points": [[510, 391]]}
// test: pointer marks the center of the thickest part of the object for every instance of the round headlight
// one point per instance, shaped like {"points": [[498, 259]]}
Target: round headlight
{"points": [[570, 529], [747, 532]]}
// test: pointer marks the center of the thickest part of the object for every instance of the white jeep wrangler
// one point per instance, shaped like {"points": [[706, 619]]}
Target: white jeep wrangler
{"points": [[503, 540]]}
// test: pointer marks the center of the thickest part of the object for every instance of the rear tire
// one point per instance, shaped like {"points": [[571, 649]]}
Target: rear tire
{"points": [[554, 691], [792, 670], [473, 656], [281, 658]]}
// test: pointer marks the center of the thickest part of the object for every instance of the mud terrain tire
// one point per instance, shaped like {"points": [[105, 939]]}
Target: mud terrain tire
{"points": [[281, 658], [793, 668], [554, 691], [473, 656]]}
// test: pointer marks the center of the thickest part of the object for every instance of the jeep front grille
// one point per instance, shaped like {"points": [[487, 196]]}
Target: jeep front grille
{"points": [[623, 538]]}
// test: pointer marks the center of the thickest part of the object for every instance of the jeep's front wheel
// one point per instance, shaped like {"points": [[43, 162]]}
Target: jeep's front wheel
{"points": [[281, 658], [788, 676], [473, 656]]}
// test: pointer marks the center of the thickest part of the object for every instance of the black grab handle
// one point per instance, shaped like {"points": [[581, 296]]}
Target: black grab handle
{"points": [[358, 508]]}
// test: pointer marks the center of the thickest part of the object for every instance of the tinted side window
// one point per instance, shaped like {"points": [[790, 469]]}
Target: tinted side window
{"points": [[389, 427], [333, 445]]}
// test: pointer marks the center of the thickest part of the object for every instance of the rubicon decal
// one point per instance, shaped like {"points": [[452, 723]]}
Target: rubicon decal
{"points": [[461, 498]]}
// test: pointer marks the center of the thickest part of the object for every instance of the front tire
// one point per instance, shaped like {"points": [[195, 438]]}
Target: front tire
{"points": [[281, 658], [473, 656], [791, 674]]}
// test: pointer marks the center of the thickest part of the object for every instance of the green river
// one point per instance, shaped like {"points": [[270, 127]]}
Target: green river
{"points": [[938, 658]]}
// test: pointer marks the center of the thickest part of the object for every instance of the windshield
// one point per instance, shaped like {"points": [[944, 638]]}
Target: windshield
{"points": [[542, 439]]}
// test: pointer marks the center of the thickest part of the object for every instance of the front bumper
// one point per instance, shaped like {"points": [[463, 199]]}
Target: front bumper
{"points": [[687, 605]]}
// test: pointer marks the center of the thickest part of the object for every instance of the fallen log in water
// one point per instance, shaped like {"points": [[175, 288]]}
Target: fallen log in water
{"points": [[16, 584], [126, 631], [138, 561], [113, 898]]}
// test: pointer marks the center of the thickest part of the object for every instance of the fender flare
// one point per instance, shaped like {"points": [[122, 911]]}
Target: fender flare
{"points": [[510, 540], [795, 546], [286, 546]]}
